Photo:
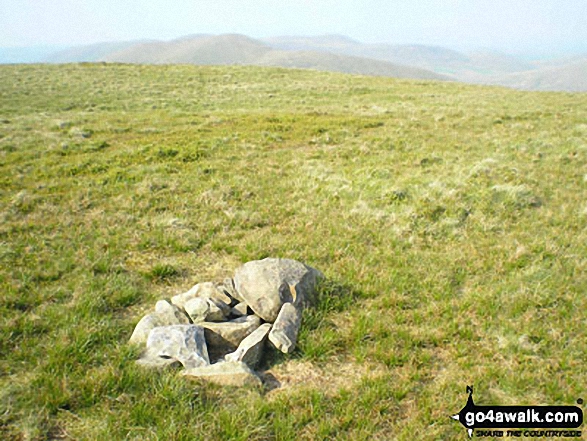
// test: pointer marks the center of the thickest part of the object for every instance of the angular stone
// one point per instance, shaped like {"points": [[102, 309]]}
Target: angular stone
{"points": [[284, 333], [171, 314], [143, 327], [266, 284], [197, 309], [206, 290], [201, 309], [225, 374], [225, 337], [184, 343], [250, 350], [167, 316], [218, 311], [240, 309]]}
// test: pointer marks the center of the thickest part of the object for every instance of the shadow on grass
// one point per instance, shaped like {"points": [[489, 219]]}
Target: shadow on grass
{"points": [[318, 336]]}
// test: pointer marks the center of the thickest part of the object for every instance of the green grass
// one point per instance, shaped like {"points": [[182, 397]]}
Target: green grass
{"points": [[450, 220]]}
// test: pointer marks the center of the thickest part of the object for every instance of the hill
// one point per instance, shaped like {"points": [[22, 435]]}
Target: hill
{"points": [[202, 50], [88, 53], [449, 220], [571, 77], [479, 67], [239, 49], [438, 59]]}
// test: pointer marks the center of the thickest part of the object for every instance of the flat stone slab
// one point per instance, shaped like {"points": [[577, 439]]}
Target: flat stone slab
{"points": [[184, 343], [225, 337], [225, 374], [284, 333], [165, 314], [250, 350]]}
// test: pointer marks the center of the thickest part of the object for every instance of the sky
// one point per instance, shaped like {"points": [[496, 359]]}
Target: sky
{"points": [[534, 27]]}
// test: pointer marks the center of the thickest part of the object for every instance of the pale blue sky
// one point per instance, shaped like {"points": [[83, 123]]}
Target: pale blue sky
{"points": [[538, 26]]}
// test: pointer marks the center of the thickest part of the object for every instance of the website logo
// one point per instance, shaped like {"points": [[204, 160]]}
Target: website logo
{"points": [[520, 417]]}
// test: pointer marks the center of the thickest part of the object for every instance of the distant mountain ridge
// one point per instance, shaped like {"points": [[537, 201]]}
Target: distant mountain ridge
{"points": [[480, 67], [335, 53], [240, 49]]}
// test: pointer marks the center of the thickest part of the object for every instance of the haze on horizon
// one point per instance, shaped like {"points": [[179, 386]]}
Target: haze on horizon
{"points": [[525, 27]]}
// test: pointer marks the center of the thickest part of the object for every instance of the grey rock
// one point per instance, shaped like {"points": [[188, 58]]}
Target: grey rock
{"points": [[202, 309], [250, 350], [184, 343], [225, 374], [226, 336], [197, 309], [267, 284], [143, 327], [166, 316], [171, 314], [284, 333], [206, 290], [218, 311]]}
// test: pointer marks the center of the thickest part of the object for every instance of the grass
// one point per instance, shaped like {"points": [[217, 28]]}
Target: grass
{"points": [[449, 219]]}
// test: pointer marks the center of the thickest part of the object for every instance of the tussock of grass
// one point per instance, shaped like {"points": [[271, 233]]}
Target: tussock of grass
{"points": [[449, 219]]}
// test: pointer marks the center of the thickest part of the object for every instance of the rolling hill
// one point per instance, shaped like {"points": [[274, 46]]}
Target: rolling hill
{"points": [[334, 53], [479, 67], [238, 49], [570, 77]]}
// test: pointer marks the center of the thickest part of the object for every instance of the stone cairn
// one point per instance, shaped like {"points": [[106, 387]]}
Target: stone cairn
{"points": [[219, 332]]}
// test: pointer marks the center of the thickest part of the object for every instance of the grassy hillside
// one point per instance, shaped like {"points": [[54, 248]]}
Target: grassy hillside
{"points": [[449, 219]]}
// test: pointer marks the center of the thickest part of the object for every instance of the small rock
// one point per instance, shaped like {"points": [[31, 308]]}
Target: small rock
{"points": [[218, 311], [225, 374], [206, 290], [285, 329], [226, 336], [165, 314], [184, 343], [197, 309], [240, 309], [250, 350], [171, 313], [200, 309], [265, 284], [144, 326]]}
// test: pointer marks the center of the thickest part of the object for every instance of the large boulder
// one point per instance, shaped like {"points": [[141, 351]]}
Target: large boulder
{"points": [[265, 285]]}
